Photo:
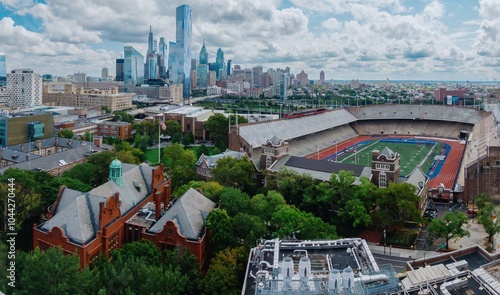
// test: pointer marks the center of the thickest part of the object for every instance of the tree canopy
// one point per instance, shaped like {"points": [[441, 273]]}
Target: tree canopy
{"points": [[449, 226], [237, 173]]}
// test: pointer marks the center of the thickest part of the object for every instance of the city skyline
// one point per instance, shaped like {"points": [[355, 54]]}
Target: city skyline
{"points": [[351, 39]]}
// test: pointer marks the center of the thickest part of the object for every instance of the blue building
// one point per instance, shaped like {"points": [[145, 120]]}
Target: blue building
{"points": [[133, 66], [203, 54], [179, 62]]}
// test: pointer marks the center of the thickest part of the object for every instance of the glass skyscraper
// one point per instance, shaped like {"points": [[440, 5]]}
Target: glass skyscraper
{"points": [[180, 51], [3, 70], [133, 68]]}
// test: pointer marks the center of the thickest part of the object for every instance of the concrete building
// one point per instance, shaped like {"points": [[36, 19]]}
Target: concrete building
{"points": [[88, 97], [24, 87]]}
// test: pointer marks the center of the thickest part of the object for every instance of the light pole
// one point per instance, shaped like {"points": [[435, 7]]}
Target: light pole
{"points": [[385, 240]]}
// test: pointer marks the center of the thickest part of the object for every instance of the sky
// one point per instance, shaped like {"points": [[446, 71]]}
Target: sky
{"points": [[450, 40]]}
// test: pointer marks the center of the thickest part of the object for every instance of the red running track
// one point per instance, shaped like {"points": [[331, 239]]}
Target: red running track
{"points": [[446, 176]]}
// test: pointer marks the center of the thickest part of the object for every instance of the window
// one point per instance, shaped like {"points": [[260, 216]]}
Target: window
{"points": [[382, 180]]}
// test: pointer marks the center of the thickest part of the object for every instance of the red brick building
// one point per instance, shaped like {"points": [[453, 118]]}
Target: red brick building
{"points": [[113, 214]]}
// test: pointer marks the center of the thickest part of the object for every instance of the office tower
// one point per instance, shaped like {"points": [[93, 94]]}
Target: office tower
{"points": [[203, 54], [133, 66], [179, 62], [3, 70], [104, 72], [150, 41], [229, 68], [163, 58], [155, 45], [219, 63], [257, 76], [194, 64], [202, 75], [151, 67], [120, 69], [25, 88], [321, 78]]}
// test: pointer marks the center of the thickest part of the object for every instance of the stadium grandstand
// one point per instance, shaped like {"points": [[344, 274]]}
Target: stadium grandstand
{"points": [[471, 167]]}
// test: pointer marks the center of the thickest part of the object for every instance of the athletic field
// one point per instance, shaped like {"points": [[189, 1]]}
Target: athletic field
{"points": [[427, 154]]}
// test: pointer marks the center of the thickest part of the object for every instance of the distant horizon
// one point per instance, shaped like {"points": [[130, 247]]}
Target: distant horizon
{"points": [[410, 40]]}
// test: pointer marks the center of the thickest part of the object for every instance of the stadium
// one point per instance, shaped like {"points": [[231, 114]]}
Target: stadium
{"points": [[457, 148]]}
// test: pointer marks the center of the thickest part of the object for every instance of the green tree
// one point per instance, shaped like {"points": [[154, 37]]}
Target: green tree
{"points": [[179, 164], [142, 142], [142, 249], [123, 117], [237, 173], [225, 269], [219, 223], [449, 226], [289, 221], [398, 204], [234, 200], [24, 203], [217, 126], [188, 139], [202, 150], [66, 133], [209, 189], [52, 272], [265, 206], [248, 229], [101, 161], [173, 130], [84, 172], [291, 184], [105, 109], [489, 218]]}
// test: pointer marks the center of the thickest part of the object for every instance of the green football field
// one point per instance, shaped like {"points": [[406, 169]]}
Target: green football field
{"points": [[412, 154]]}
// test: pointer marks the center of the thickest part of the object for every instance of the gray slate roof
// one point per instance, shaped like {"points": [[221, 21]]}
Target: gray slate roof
{"points": [[388, 153], [189, 212], [78, 213], [212, 160]]}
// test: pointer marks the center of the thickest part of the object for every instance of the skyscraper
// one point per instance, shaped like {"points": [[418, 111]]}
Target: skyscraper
{"points": [[3, 70], [321, 78], [120, 69], [150, 41], [219, 63], [25, 88], [203, 54], [133, 69], [180, 51]]}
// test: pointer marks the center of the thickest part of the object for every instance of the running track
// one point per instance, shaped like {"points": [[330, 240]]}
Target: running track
{"points": [[446, 176]]}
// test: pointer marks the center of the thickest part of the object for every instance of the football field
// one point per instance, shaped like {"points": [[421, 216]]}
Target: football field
{"points": [[413, 153]]}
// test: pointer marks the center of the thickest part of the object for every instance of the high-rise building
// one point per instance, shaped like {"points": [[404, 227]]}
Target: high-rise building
{"points": [[25, 88], [203, 54], [80, 77], [133, 66], [104, 72], [120, 69], [219, 63], [179, 63], [3, 70], [202, 75], [150, 41], [257, 77], [229, 67], [321, 78], [163, 58]]}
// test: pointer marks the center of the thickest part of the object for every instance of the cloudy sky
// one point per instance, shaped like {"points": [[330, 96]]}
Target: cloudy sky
{"points": [[347, 39]]}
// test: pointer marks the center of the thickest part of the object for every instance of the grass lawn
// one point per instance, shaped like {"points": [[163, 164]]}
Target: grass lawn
{"points": [[152, 154], [412, 154]]}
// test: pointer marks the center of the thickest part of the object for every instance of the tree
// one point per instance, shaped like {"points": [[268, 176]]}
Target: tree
{"points": [[265, 206], [52, 272], [289, 221], [248, 229], [291, 184], [449, 226], [101, 161], [237, 173], [66, 133], [84, 172], [141, 249], [398, 203], [217, 125], [209, 189], [23, 203], [123, 117], [219, 223], [188, 139], [202, 150], [179, 164], [142, 142], [234, 200], [225, 269], [489, 218]]}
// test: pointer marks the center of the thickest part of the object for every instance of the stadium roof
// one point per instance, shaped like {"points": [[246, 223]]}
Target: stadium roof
{"points": [[419, 112], [258, 134]]}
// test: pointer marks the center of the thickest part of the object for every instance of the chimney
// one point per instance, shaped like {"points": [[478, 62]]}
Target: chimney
{"points": [[117, 198], [21, 147], [101, 213], [55, 142], [38, 144], [157, 205], [70, 143]]}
